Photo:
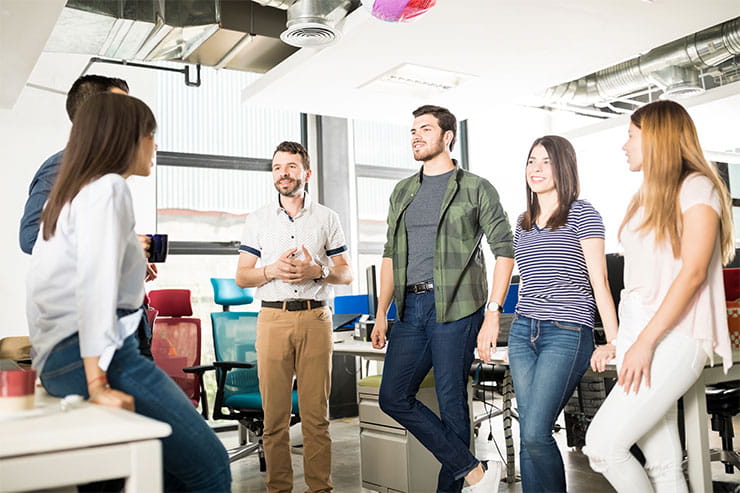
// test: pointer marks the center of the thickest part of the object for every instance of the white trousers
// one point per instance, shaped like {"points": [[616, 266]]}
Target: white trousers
{"points": [[648, 417]]}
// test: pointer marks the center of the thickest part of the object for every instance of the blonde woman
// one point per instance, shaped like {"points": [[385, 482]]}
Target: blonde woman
{"points": [[676, 234]]}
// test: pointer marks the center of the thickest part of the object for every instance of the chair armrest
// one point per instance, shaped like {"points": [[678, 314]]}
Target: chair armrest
{"points": [[223, 367], [198, 369], [228, 365]]}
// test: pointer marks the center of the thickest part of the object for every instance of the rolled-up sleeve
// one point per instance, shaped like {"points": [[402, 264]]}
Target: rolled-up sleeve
{"points": [[335, 242], [494, 222], [389, 247], [250, 237]]}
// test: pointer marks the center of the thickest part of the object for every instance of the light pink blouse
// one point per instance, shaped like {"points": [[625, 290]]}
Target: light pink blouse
{"points": [[650, 268]]}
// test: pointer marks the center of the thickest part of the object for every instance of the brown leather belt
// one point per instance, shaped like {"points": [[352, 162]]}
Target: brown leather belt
{"points": [[294, 305]]}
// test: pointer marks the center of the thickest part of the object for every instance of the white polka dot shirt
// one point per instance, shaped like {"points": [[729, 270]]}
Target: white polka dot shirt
{"points": [[269, 232]]}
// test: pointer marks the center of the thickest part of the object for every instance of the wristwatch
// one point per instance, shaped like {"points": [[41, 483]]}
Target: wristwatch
{"points": [[494, 307], [324, 272]]}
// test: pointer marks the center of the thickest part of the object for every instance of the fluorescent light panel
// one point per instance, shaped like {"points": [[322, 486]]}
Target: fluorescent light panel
{"points": [[416, 81]]}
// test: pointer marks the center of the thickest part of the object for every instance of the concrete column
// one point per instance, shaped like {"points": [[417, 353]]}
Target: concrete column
{"points": [[331, 146]]}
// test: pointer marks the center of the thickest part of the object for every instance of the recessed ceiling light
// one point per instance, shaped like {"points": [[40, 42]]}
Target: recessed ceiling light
{"points": [[416, 80]]}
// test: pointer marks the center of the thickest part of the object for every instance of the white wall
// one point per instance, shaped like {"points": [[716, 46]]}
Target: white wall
{"points": [[35, 128]]}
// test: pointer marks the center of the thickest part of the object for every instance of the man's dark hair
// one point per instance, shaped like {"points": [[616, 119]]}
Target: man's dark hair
{"points": [[86, 86], [294, 148], [446, 120]]}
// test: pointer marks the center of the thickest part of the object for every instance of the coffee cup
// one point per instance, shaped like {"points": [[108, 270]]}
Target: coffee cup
{"points": [[17, 388], [158, 248]]}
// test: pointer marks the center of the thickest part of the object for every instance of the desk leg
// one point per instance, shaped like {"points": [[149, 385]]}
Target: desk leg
{"points": [[146, 468], [508, 394], [697, 441]]}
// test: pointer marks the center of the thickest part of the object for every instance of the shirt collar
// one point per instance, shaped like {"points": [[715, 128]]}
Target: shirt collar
{"points": [[307, 203], [420, 174]]}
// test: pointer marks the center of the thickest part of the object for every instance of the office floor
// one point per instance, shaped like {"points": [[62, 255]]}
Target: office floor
{"points": [[346, 461]]}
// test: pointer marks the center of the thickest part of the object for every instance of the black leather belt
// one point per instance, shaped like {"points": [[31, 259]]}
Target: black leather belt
{"points": [[294, 305], [420, 287]]}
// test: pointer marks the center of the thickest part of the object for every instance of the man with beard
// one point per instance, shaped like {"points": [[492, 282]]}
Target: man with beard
{"points": [[433, 267], [293, 241]]}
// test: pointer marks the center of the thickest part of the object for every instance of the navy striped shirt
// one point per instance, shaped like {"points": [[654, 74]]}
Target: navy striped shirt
{"points": [[554, 278]]}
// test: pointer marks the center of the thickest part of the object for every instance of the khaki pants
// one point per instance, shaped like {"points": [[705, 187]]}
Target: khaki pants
{"points": [[299, 343]]}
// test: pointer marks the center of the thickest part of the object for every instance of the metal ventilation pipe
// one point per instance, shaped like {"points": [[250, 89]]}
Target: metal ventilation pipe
{"points": [[278, 4], [674, 67]]}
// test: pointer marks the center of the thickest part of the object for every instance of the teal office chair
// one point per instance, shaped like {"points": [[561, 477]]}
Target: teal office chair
{"points": [[238, 397], [226, 293]]}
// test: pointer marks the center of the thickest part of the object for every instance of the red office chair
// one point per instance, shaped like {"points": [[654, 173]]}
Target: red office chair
{"points": [[176, 343]]}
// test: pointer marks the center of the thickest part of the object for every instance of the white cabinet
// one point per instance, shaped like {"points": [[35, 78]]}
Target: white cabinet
{"points": [[392, 459]]}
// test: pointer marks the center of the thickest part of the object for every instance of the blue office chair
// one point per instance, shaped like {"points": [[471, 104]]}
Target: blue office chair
{"points": [[226, 293], [238, 396]]}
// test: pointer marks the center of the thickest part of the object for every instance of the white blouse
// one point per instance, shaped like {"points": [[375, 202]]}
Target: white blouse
{"points": [[650, 269], [92, 265]]}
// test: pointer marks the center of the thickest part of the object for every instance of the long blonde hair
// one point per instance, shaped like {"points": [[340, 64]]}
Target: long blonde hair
{"points": [[671, 152]]}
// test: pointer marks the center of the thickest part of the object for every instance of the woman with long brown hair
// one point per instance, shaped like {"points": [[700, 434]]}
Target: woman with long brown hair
{"points": [[86, 283], [559, 248], [676, 234]]}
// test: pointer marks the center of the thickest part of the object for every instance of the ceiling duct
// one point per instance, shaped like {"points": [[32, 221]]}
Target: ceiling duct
{"points": [[676, 68], [236, 34], [312, 23]]}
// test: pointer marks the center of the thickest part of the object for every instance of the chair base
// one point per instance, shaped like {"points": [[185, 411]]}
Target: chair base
{"points": [[729, 458], [249, 443]]}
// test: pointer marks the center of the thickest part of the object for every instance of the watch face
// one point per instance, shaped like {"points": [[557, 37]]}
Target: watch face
{"points": [[493, 306], [325, 271]]}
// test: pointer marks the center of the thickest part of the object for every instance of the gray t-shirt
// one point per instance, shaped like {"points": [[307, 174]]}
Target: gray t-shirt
{"points": [[422, 216]]}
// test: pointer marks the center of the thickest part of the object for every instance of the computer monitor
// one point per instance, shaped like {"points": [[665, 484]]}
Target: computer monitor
{"points": [[372, 291]]}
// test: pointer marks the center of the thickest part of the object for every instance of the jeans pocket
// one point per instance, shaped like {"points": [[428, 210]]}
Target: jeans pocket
{"points": [[567, 326], [65, 380]]}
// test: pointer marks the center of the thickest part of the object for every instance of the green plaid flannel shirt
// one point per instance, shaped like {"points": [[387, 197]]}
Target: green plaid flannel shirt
{"points": [[470, 209]]}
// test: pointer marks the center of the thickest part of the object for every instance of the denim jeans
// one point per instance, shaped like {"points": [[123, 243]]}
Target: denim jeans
{"points": [[418, 343], [194, 458], [548, 359]]}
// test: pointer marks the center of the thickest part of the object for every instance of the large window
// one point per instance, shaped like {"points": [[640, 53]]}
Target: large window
{"points": [[213, 168]]}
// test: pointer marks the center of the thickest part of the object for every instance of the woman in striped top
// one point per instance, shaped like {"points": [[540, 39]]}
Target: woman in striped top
{"points": [[559, 248], [676, 234]]}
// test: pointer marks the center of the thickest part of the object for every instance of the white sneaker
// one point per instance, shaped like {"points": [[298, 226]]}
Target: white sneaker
{"points": [[489, 482]]}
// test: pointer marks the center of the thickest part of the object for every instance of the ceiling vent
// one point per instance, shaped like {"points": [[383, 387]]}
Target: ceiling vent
{"points": [[679, 69], [313, 23]]}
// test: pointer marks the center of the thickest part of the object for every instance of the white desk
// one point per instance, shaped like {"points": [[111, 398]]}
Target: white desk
{"points": [[53, 448], [695, 422]]}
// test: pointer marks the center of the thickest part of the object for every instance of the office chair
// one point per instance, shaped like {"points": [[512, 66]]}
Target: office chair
{"points": [[226, 293], [176, 342], [723, 400], [234, 336]]}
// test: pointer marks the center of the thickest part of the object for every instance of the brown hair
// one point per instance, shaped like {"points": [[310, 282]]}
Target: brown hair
{"points": [[104, 139], [88, 85], [294, 148], [670, 152], [445, 118], [565, 177]]}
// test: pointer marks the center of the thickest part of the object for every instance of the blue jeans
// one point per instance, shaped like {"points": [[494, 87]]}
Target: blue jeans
{"points": [[418, 343], [194, 458], [548, 359]]}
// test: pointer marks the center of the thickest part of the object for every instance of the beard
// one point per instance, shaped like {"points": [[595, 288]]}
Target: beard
{"points": [[291, 189], [430, 152]]}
